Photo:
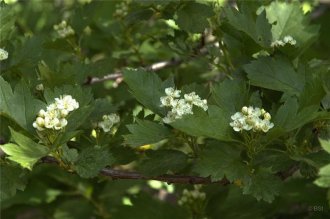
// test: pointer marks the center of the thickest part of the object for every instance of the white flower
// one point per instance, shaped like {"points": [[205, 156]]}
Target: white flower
{"points": [[64, 113], [277, 43], [108, 121], [286, 40], [66, 103], [249, 118], [50, 122], [3, 54], [290, 40], [180, 107], [196, 100], [170, 117], [166, 101], [63, 29], [191, 196], [42, 113], [266, 125], [39, 123], [55, 115], [170, 91]]}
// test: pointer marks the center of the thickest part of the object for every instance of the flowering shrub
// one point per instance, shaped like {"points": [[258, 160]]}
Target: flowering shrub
{"points": [[164, 109]]}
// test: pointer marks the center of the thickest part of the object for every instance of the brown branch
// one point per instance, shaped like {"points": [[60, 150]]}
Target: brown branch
{"points": [[200, 50], [120, 174], [118, 74], [177, 179]]}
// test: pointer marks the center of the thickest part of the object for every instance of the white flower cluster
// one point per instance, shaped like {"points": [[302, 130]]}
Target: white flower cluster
{"points": [[286, 40], [180, 107], [108, 121], [55, 115], [189, 197], [63, 29], [121, 9], [249, 119], [3, 54]]}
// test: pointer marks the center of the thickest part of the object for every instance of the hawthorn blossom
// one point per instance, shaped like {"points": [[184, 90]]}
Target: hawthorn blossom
{"points": [[286, 40], [191, 196], [54, 117], [3, 54], [108, 121], [180, 107], [249, 119], [63, 29]]}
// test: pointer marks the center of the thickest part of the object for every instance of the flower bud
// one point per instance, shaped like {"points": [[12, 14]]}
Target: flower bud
{"points": [[244, 110], [40, 121], [64, 113], [42, 113], [267, 116]]}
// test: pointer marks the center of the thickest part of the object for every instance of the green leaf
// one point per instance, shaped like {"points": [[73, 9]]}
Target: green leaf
{"points": [[102, 107], [219, 160], [276, 74], [7, 26], [245, 20], [26, 152], [232, 101], [66, 136], [12, 179], [324, 179], [162, 161], [28, 108], [289, 117], [78, 117], [69, 155], [91, 160], [196, 23], [289, 19], [147, 88], [27, 53], [325, 145], [36, 192], [263, 185], [312, 94], [145, 132], [324, 172], [213, 124], [277, 160]]}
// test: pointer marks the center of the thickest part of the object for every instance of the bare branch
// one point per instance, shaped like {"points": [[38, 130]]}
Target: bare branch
{"points": [[177, 179], [200, 50], [118, 74]]}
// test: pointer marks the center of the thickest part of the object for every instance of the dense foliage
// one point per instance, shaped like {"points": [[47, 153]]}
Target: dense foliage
{"points": [[164, 109]]}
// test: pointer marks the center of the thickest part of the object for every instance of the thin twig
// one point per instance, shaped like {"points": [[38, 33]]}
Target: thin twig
{"points": [[200, 50], [119, 74], [177, 179]]}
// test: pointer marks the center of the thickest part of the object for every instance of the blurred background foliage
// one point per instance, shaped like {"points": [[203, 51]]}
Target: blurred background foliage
{"points": [[111, 35]]}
